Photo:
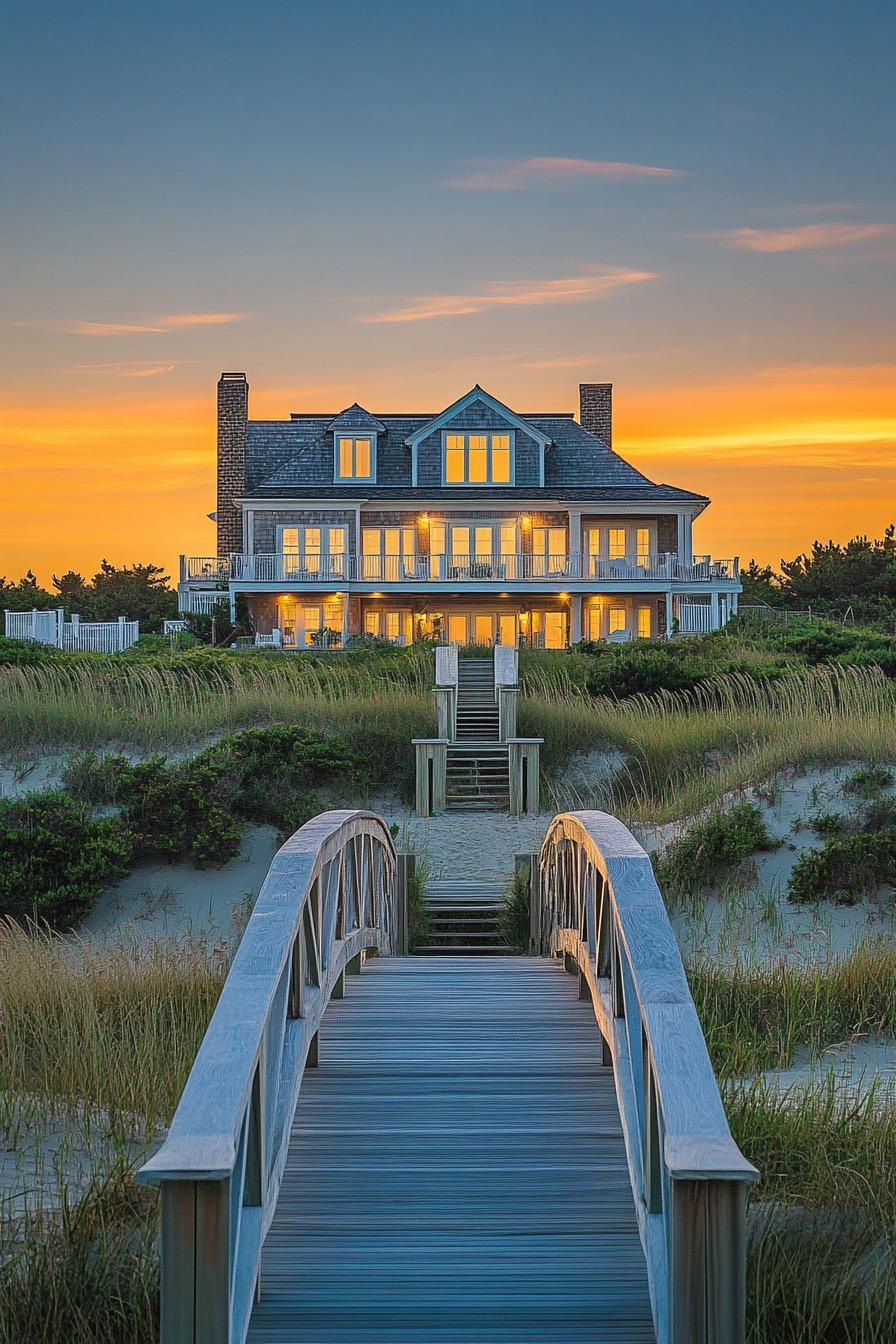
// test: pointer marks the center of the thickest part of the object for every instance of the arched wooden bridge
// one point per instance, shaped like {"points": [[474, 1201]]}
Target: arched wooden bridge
{"points": [[383, 1149]]}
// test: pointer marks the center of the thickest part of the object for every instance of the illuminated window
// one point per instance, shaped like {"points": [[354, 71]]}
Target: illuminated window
{"points": [[312, 551], [355, 457], [643, 622], [642, 543], [617, 543], [388, 553], [478, 459], [548, 551], [617, 619]]}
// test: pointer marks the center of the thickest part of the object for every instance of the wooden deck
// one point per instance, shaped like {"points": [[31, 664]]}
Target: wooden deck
{"points": [[456, 1171]]}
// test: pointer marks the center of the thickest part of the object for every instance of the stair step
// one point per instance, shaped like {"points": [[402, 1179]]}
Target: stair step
{"points": [[490, 949]]}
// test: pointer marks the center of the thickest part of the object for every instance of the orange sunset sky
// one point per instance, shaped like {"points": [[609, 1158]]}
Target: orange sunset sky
{"points": [[707, 220]]}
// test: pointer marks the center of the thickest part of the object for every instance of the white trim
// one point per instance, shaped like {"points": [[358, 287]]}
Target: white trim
{"points": [[354, 434], [528, 504], [476, 394]]}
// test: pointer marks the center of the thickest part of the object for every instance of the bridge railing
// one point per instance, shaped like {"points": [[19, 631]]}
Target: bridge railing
{"points": [[597, 903], [328, 897]]}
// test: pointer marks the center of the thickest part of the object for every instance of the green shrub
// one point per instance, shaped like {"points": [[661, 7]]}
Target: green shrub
{"points": [[846, 868], [419, 923], [710, 848], [57, 858], [514, 924], [869, 781]]}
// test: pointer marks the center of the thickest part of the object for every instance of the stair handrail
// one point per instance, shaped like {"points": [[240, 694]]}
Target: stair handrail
{"points": [[598, 905], [328, 897]]}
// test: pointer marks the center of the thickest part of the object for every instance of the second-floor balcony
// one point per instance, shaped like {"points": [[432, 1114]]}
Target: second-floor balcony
{"points": [[334, 570]]}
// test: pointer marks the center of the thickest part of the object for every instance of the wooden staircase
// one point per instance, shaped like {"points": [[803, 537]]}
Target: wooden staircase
{"points": [[478, 778], [464, 918]]}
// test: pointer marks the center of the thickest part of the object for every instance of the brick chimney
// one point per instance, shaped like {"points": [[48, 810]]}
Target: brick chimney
{"points": [[233, 420], [596, 410]]}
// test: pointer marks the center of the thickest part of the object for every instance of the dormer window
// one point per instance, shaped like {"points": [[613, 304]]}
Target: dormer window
{"points": [[478, 459], [355, 457]]}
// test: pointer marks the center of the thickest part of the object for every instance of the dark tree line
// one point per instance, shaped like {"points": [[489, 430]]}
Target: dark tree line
{"points": [[832, 578], [139, 592]]}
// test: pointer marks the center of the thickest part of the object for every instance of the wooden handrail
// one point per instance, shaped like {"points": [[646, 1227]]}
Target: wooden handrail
{"points": [[597, 904], [328, 898]]}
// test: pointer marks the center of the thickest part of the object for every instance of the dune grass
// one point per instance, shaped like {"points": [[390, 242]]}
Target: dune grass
{"points": [[682, 750], [96, 1040], [823, 1218], [114, 1027], [755, 1015], [150, 706]]}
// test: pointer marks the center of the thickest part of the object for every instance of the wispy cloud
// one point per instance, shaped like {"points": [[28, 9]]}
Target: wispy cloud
{"points": [[157, 326], [518, 174], [802, 238], [100, 328], [202, 319], [131, 368], [513, 294]]}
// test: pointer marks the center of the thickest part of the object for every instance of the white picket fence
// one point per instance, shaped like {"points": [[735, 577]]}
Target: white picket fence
{"points": [[51, 627]]}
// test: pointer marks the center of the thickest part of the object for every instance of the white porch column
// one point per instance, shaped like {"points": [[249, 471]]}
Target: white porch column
{"points": [[685, 523], [575, 544], [669, 615], [575, 618], [344, 619]]}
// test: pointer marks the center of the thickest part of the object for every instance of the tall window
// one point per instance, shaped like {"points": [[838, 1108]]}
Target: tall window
{"points": [[642, 540], [388, 553], [478, 459], [643, 622], [354, 457], [617, 543], [617, 619], [492, 546], [548, 551], [313, 551]]}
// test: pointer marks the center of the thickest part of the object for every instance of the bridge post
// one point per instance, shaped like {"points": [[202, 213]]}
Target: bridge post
{"points": [[708, 1258], [405, 867]]}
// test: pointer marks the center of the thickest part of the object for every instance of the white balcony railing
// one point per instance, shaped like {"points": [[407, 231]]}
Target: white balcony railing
{"points": [[201, 601], [291, 567], [695, 618], [204, 569], [333, 570]]}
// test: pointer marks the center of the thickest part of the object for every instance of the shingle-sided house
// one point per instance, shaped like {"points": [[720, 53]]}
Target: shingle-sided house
{"points": [[473, 524]]}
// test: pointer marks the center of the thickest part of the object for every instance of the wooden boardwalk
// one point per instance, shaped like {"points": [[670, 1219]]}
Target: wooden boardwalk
{"points": [[456, 1172]]}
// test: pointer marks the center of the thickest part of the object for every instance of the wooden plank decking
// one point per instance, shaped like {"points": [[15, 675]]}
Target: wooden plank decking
{"points": [[456, 1172]]}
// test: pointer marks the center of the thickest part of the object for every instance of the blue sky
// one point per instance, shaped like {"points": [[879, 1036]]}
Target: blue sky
{"points": [[260, 188]]}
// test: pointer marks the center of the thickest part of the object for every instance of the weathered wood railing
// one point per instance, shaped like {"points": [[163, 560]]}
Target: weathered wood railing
{"points": [[595, 901], [329, 897]]}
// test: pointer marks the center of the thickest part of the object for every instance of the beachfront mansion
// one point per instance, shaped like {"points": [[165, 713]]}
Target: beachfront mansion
{"points": [[473, 524]]}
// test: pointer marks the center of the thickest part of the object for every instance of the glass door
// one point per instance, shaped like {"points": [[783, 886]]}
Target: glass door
{"points": [[484, 628], [549, 629], [457, 629], [507, 629], [548, 552], [388, 554]]}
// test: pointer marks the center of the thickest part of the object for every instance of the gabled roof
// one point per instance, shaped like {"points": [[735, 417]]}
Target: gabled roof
{"points": [[476, 394], [355, 417]]}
